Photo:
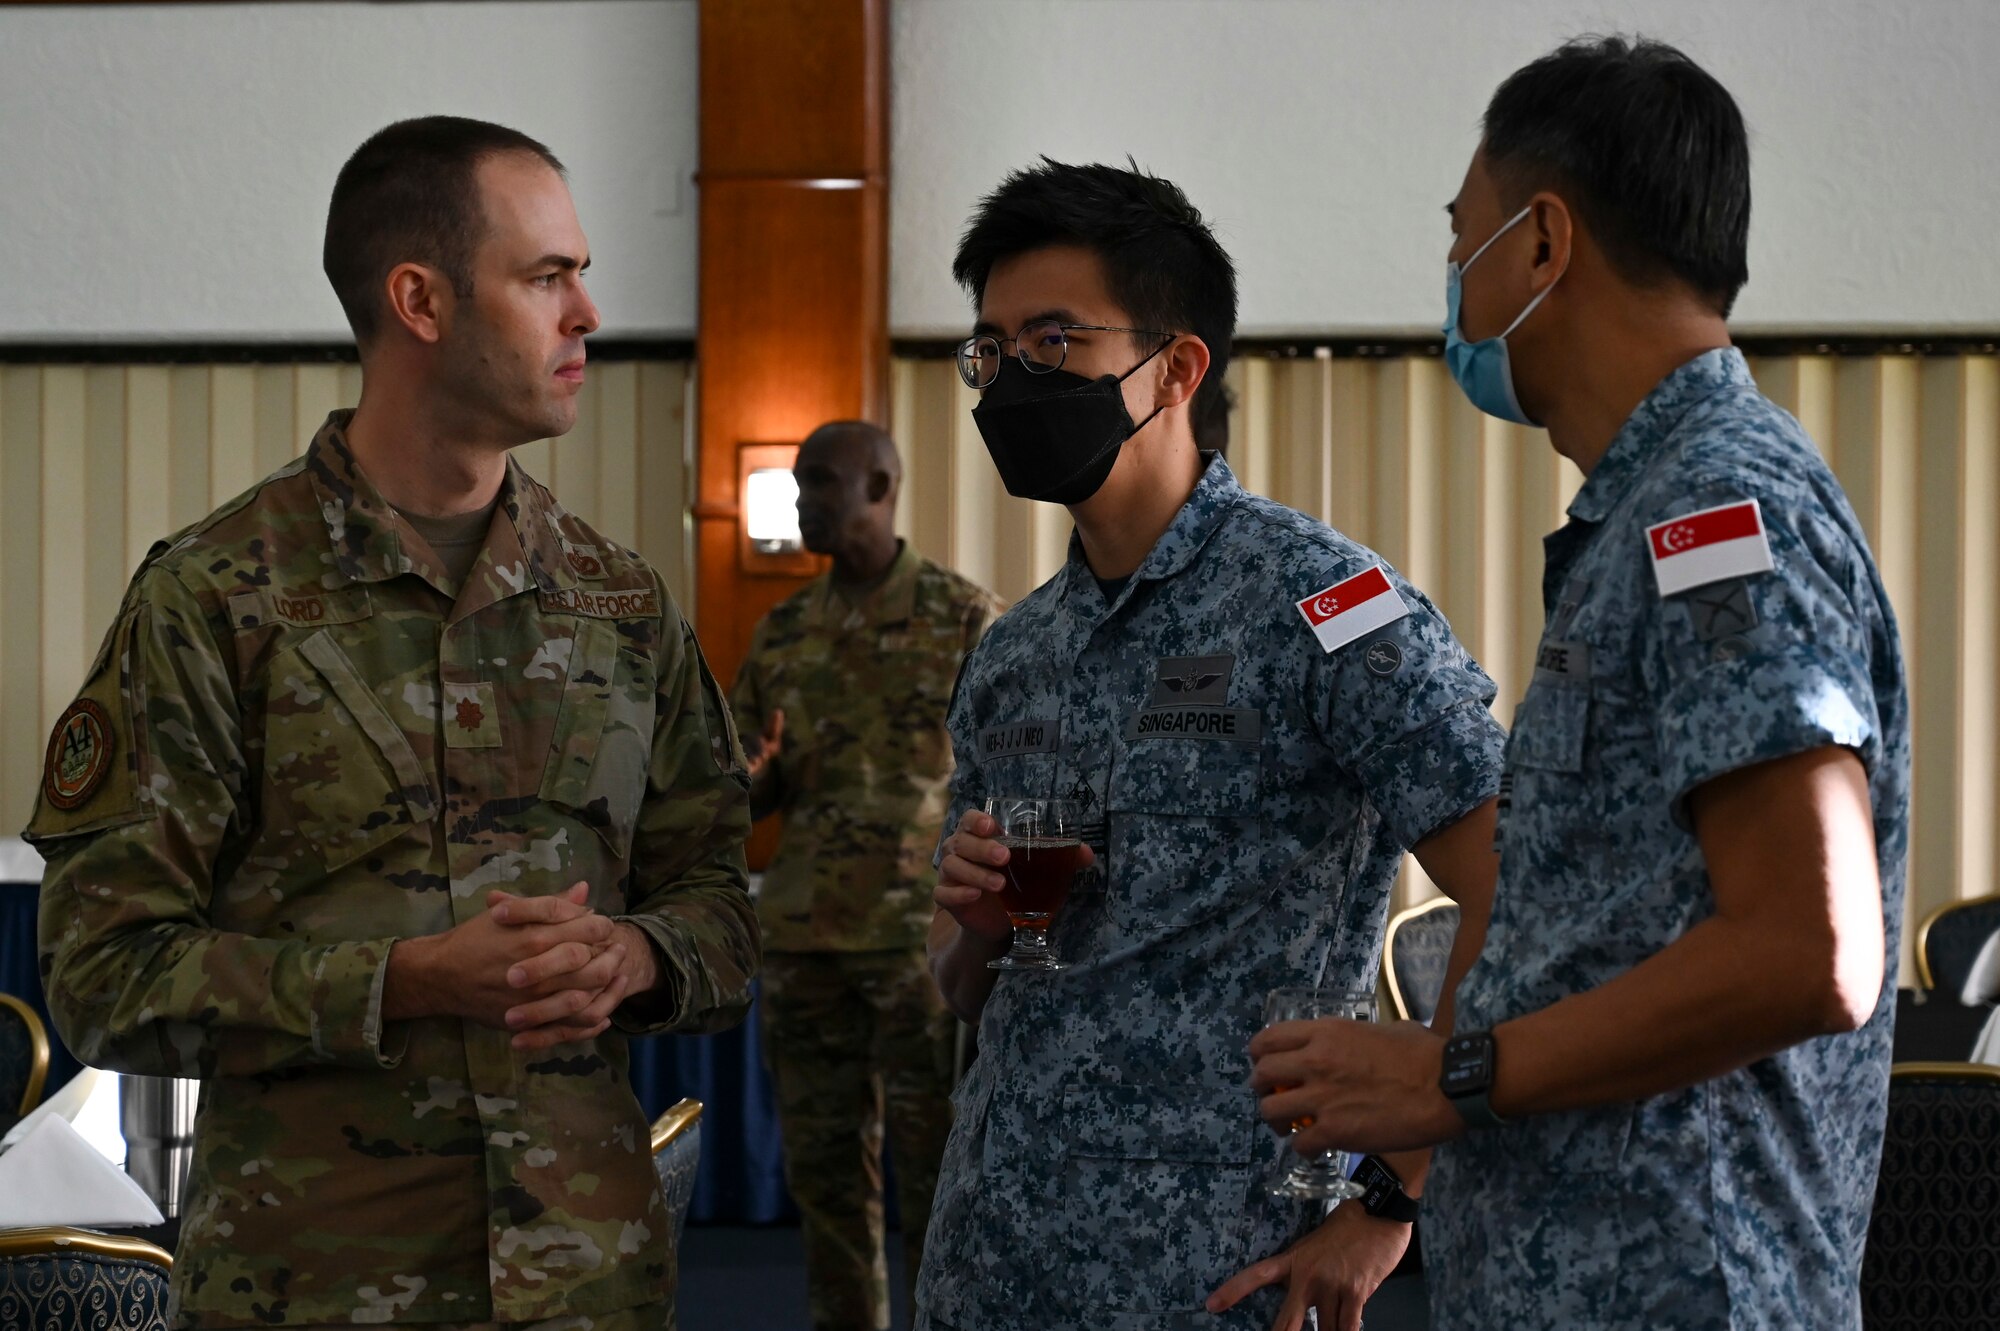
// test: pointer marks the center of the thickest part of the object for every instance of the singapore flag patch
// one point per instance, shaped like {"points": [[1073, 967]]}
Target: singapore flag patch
{"points": [[1715, 543], [1343, 612]]}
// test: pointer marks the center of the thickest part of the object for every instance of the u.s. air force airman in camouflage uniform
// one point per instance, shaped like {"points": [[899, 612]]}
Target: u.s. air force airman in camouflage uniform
{"points": [[1258, 718], [849, 678], [305, 760], [300, 748]]}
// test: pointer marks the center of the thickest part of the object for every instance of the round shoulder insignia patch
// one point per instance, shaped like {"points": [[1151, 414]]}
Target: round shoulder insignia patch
{"points": [[1383, 658], [79, 755], [1732, 648]]}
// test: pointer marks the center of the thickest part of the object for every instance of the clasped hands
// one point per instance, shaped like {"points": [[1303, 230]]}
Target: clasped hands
{"points": [[549, 969]]}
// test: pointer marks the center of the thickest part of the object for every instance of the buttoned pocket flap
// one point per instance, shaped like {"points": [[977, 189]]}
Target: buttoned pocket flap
{"points": [[1214, 1124], [1196, 778], [339, 773], [597, 765], [1549, 728]]}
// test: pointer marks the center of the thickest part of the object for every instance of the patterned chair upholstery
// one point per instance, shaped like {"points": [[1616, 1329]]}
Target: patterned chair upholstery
{"points": [[74, 1280], [1419, 945], [1933, 1259], [24, 1060], [676, 1153], [1949, 939]]}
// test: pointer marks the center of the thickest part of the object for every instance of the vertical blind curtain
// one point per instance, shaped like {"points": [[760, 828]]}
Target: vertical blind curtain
{"points": [[98, 461], [1387, 449]]}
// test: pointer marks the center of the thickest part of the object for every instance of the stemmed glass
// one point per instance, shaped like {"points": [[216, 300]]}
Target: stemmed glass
{"points": [[1044, 853], [1323, 1176]]}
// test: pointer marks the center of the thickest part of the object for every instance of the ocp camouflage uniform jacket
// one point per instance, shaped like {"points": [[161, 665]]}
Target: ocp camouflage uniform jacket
{"points": [[862, 774], [297, 747]]}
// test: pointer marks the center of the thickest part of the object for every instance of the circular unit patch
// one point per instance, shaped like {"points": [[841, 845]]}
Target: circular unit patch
{"points": [[79, 755], [1384, 658]]}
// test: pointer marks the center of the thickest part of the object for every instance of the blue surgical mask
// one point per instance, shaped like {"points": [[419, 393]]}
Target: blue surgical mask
{"points": [[1482, 368]]}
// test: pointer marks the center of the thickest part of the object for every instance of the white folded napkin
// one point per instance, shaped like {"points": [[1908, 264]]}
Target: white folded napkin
{"points": [[1983, 986], [66, 1103], [55, 1177], [1982, 982], [1987, 1049]]}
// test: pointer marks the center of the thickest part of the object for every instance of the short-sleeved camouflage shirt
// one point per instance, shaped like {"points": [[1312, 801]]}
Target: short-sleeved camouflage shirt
{"points": [[301, 743], [862, 771], [1744, 1201], [1250, 794]]}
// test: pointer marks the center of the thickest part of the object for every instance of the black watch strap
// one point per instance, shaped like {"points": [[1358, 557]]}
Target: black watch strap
{"points": [[1385, 1198], [1468, 1078]]}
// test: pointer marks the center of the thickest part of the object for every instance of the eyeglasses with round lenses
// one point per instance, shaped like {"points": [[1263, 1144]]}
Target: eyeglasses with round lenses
{"points": [[1041, 346]]}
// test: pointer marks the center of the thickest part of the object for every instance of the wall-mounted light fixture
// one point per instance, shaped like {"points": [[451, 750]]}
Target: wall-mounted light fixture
{"points": [[767, 515], [771, 511]]}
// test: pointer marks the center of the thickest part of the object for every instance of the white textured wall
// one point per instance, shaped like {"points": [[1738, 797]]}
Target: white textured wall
{"points": [[164, 169], [1323, 137]]}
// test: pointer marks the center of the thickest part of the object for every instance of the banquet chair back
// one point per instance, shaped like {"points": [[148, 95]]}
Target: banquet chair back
{"points": [[24, 1060], [1418, 948], [1933, 1256], [676, 1154], [60, 1279], [1949, 939]]}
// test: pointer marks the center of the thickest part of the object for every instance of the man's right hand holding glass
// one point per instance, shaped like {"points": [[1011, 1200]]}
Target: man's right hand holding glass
{"points": [[971, 927]]}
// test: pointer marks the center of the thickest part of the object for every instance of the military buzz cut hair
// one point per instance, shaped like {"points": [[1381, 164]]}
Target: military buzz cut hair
{"points": [[410, 194], [1161, 261], [1648, 148]]}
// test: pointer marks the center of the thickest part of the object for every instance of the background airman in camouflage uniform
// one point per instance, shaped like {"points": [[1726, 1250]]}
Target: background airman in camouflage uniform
{"points": [[849, 680], [381, 843]]}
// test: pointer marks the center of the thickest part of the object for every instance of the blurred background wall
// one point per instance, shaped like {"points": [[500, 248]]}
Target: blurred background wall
{"points": [[166, 337]]}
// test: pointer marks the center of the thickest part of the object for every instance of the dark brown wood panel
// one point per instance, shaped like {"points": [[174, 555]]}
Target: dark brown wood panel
{"points": [[793, 325], [801, 87]]}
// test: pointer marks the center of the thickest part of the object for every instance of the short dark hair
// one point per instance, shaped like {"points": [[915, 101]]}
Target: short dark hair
{"points": [[1161, 261], [1211, 422], [410, 194], [1646, 145]]}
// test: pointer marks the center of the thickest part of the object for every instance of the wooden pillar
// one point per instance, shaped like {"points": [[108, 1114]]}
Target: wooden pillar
{"points": [[794, 306]]}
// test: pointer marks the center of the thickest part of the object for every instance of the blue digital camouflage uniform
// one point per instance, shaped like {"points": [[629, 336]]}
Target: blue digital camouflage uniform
{"points": [[1742, 1202], [1107, 1168]]}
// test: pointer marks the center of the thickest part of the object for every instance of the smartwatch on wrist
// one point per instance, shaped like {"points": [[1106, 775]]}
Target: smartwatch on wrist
{"points": [[1385, 1198], [1468, 1077]]}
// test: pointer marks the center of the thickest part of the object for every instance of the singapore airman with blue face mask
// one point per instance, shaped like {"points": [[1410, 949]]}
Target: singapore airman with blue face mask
{"points": [[1663, 1089]]}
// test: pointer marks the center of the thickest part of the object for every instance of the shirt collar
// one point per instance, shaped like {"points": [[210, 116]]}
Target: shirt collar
{"points": [[890, 601], [1651, 423], [1214, 495], [373, 543]]}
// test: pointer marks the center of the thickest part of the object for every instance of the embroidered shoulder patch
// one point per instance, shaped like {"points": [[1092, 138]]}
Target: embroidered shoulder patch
{"points": [[1696, 549], [1343, 612], [79, 756]]}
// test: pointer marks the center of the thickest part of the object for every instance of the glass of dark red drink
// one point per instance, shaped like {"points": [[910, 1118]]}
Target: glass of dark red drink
{"points": [[1044, 853]]}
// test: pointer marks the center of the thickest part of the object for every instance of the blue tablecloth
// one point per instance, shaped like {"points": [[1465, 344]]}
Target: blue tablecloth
{"points": [[741, 1177]]}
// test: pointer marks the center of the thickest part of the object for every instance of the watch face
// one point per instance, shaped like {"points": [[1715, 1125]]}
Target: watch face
{"points": [[1467, 1065]]}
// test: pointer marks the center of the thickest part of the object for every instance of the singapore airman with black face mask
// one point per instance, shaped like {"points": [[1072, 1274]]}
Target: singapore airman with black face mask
{"points": [[1247, 718]]}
